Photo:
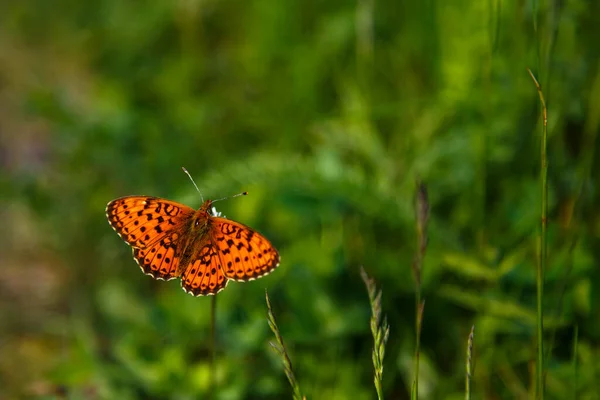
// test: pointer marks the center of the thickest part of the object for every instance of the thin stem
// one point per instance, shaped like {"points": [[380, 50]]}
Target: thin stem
{"points": [[364, 39], [542, 244], [575, 346], [422, 219], [213, 346], [419, 323]]}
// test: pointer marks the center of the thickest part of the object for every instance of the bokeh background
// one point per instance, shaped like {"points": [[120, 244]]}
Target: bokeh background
{"points": [[327, 113]]}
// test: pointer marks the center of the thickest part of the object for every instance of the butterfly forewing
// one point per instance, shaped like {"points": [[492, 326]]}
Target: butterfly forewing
{"points": [[142, 221], [244, 254]]}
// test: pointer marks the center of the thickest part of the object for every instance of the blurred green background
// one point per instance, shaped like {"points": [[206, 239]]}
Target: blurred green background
{"points": [[327, 113]]}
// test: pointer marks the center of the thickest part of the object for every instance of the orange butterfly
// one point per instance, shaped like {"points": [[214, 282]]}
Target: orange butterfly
{"points": [[172, 240]]}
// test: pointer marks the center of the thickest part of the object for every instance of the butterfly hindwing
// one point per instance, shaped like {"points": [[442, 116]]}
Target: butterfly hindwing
{"points": [[204, 273], [160, 260]]}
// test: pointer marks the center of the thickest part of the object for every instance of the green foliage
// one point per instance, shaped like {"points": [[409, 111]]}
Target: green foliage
{"points": [[326, 113]]}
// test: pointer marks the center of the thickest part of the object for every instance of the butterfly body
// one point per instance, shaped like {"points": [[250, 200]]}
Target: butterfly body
{"points": [[171, 240]]}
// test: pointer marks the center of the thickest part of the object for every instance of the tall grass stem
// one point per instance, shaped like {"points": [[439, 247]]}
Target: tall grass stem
{"points": [[421, 221], [213, 347], [541, 267]]}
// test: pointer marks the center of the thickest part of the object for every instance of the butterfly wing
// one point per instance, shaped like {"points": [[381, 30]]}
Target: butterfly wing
{"points": [[151, 226], [160, 260], [204, 273], [142, 220], [243, 253]]}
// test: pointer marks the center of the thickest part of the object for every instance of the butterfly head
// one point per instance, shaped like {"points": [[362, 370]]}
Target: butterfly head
{"points": [[201, 218]]}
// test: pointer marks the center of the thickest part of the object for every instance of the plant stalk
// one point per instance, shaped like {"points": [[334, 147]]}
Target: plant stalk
{"points": [[213, 346], [542, 244]]}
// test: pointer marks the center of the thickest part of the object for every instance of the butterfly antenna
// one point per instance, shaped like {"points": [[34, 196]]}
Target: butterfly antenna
{"points": [[192, 179], [231, 197]]}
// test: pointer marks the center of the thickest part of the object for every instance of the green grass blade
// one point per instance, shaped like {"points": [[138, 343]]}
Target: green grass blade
{"points": [[542, 244]]}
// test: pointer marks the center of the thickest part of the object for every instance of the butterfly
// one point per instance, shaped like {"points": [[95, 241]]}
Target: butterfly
{"points": [[171, 240]]}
